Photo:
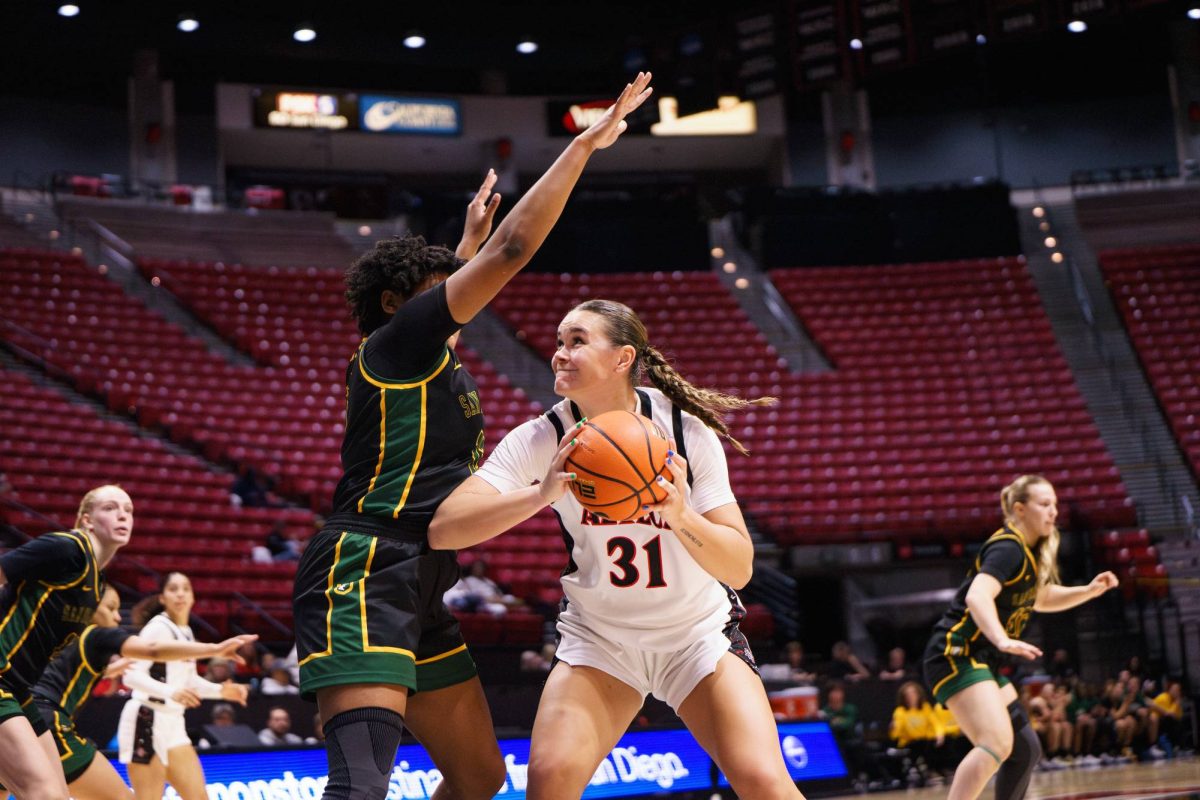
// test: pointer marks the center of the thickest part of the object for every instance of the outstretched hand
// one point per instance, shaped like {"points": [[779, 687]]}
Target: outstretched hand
{"points": [[480, 213], [612, 124], [1015, 647]]}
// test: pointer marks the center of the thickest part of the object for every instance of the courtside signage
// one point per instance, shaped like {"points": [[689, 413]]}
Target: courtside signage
{"points": [[383, 114], [643, 763], [809, 751]]}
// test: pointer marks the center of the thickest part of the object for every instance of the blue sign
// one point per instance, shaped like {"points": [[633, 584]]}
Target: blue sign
{"points": [[809, 751], [382, 114], [642, 763]]}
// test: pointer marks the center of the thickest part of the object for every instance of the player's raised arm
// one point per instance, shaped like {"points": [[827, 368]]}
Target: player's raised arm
{"points": [[527, 225]]}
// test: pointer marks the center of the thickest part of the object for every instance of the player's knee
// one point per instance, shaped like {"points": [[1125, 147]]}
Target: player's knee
{"points": [[484, 781], [554, 774], [999, 743], [361, 744]]}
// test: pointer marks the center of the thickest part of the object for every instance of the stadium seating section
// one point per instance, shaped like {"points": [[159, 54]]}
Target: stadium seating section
{"points": [[1158, 292], [947, 383]]}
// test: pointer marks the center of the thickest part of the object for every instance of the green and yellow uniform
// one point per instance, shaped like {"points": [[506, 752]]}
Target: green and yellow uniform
{"points": [[67, 684], [52, 588], [958, 654], [368, 594]]}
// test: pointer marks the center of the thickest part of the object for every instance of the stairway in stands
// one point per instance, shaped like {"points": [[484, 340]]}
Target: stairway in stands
{"points": [[1106, 369]]}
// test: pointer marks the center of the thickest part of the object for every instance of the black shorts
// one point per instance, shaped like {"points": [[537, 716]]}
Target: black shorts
{"points": [[74, 751], [18, 702], [369, 609], [946, 675]]}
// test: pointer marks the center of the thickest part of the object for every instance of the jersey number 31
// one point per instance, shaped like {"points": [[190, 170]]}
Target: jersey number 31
{"points": [[625, 551]]}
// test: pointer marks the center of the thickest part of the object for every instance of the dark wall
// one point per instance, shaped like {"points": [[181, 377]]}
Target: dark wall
{"points": [[42, 136], [1037, 144], [789, 228]]}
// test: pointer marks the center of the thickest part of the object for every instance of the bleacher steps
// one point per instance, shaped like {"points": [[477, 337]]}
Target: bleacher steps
{"points": [[1107, 371]]}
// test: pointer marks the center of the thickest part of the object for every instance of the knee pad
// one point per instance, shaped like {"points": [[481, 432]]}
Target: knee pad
{"points": [[1014, 774], [361, 746]]}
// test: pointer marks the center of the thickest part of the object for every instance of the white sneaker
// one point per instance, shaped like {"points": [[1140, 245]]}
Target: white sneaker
{"points": [[1156, 753]]}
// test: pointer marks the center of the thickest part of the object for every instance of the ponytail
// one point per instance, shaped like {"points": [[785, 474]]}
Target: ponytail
{"points": [[707, 405], [623, 327]]}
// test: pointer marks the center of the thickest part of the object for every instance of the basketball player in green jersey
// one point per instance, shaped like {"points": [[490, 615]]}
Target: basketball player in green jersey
{"points": [[377, 646], [1015, 574], [50, 589], [68, 682]]}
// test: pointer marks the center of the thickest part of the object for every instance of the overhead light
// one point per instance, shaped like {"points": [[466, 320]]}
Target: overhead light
{"points": [[856, 44], [1051, 242], [741, 283], [718, 252], [1194, 13], [187, 24], [1056, 257], [68, 10], [1039, 212], [527, 47], [980, 39], [1077, 26], [414, 41], [304, 34]]}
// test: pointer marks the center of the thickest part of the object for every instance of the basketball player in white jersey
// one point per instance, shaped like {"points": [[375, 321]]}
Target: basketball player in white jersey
{"points": [[649, 607], [151, 737]]}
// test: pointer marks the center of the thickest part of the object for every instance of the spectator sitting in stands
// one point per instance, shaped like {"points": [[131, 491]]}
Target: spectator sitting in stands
{"points": [[1060, 667], [278, 732], [897, 668], [845, 665], [475, 591], [249, 490], [225, 729], [219, 670], [1168, 708], [916, 727], [792, 669], [277, 547], [276, 677]]}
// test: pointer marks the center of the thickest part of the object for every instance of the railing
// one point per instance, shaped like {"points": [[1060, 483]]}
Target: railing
{"points": [[1094, 181], [1134, 418]]}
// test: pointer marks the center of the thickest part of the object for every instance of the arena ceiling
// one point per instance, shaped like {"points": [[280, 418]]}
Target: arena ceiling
{"points": [[584, 47]]}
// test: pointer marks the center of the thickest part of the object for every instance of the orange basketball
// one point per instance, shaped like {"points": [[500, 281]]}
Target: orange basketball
{"points": [[616, 459]]}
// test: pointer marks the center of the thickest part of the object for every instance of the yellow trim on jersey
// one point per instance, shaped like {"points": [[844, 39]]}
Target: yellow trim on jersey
{"points": [[328, 651], [33, 616], [362, 609], [412, 475], [382, 445], [446, 654], [362, 368], [383, 387], [83, 665], [62, 737]]}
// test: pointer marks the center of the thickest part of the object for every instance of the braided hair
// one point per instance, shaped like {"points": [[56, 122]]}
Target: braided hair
{"points": [[400, 264], [623, 327]]}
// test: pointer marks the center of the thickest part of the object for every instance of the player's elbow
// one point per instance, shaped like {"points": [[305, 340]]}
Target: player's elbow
{"points": [[439, 534], [740, 579]]}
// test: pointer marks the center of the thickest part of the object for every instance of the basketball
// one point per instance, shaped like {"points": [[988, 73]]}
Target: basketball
{"points": [[616, 459]]}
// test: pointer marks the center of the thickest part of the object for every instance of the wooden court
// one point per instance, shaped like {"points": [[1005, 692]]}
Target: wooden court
{"points": [[1179, 779]]}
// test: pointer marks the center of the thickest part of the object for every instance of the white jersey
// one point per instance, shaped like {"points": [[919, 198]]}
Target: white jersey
{"points": [[631, 582], [154, 682]]}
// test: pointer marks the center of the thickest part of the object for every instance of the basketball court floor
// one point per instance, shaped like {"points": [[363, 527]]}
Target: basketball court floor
{"points": [[1178, 779]]}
